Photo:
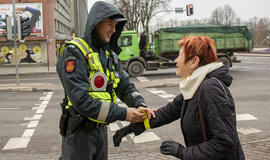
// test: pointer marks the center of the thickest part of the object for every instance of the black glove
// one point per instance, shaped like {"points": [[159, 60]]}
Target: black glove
{"points": [[119, 134], [172, 148]]}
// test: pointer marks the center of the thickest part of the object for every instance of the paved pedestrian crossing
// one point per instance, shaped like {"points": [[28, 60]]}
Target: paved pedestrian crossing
{"points": [[151, 136], [31, 123]]}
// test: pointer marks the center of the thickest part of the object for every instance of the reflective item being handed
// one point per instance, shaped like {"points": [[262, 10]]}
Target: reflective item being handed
{"points": [[172, 148], [150, 112]]}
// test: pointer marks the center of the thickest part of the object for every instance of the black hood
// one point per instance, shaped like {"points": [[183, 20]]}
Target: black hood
{"points": [[222, 74], [99, 11]]}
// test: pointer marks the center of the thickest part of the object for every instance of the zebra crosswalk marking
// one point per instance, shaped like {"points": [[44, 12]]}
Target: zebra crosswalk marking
{"points": [[23, 141], [161, 93], [248, 130], [114, 126], [245, 117], [145, 137], [142, 79]]}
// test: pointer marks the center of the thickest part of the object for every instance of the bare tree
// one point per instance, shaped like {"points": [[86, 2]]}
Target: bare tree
{"points": [[150, 8], [140, 12], [262, 30], [224, 16], [217, 16], [252, 26], [229, 15], [238, 21], [131, 10]]}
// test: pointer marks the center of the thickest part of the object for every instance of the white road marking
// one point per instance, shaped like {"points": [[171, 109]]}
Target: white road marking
{"points": [[22, 142], [35, 117], [40, 106], [146, 137], [245, 117], [167, 96], [248, 130], [125, 123], [32, 124], [114, 126], [142, 79], [50, 93], [161, 93], [14, 143], [151, 89], [158, 92], [46, 98], [9, 108], [41, 110], [44, 103], [28, 133], [36, 79]]}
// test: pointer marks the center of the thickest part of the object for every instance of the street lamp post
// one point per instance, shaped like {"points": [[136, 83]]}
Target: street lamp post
{"points": [[15, 45]]}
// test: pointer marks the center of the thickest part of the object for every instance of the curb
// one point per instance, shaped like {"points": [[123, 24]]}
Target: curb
{"points": [[251, 54], [29, 73], [163, 85], [171, 82], [23, 89]]}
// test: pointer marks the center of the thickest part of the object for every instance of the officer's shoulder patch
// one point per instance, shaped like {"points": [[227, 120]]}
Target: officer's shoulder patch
{"points": [[70, 63], [70, 66]]}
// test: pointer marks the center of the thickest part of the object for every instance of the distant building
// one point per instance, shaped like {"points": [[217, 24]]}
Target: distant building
{"points": [[58, 21]]}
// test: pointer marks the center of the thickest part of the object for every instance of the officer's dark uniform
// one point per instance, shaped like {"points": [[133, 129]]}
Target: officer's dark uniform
{"points": [[89, 140]]}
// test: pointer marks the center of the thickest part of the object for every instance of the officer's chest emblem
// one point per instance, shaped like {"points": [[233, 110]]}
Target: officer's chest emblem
{"points": [[70, 66], [98, 81]]}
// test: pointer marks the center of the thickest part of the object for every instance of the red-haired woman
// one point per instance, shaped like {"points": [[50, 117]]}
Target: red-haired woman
{"points": [[205, 106]]}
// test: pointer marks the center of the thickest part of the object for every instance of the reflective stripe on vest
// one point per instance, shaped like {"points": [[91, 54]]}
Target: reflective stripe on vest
{"points": [[95, 66]]}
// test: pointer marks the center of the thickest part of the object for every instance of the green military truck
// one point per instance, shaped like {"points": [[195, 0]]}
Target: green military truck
{"points": [[162, 48]]}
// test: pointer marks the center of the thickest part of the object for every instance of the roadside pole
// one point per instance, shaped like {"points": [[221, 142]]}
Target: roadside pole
{"points": [[47, 36], [15, 45]]}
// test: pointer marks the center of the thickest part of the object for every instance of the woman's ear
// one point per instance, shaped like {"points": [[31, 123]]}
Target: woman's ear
{"points": [[195, 62]]}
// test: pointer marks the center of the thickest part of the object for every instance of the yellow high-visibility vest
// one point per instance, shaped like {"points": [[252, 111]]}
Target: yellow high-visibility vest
{"points": [[95, 67]]}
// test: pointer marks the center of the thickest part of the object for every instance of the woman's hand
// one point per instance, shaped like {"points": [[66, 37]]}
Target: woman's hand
{"points": [[149, 112]]}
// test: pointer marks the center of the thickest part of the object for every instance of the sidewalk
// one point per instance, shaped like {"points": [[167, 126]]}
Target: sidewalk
{"points": [[10, 70], [6, 69]]}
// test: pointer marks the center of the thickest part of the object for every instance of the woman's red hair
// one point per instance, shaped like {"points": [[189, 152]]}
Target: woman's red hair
{"points": [[201, 46]]}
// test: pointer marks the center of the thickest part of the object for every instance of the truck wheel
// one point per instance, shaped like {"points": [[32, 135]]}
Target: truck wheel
{"points": [[225, 60], [135, 69]]}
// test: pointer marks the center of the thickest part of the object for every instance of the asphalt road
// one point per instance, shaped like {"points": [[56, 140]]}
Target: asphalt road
{"points": [[29, 120]]}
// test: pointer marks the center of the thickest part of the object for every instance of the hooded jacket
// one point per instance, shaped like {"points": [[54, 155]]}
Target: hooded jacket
{"points": [[76, 83], [99, 11], [217, 111]]}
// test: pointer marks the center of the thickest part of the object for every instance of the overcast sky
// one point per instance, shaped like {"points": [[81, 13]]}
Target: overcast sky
{"points": [[244, 9]]}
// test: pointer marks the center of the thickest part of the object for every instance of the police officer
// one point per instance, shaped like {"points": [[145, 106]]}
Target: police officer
{"points": [[92, 77]]}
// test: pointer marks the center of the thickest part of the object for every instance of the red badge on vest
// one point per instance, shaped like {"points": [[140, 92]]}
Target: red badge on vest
{"points": [[99, 81], [70, 66]]}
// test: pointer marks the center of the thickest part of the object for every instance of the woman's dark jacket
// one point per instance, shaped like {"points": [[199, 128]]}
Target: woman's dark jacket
{"points": [[217, 113]]}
